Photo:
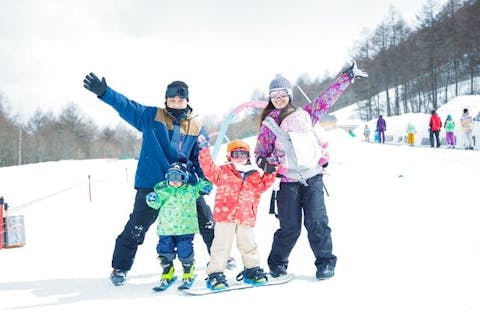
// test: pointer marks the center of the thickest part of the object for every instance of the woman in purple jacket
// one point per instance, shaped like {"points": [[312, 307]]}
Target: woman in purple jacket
{"points": [[295, 197]]}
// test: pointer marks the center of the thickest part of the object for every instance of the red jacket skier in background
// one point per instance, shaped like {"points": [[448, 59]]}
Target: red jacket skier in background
{"points": [[435, 126]]}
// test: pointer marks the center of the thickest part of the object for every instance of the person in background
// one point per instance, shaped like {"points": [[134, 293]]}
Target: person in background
{"points": [[449, 126], [435, 125], [168, 133], [295, 200], [411, 133], [239, 187], [467, 127], [381, 127], [366, 133], [175, 199]]}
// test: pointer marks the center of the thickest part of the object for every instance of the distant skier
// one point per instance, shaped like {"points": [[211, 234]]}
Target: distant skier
{"points": [[381, 128], [411, 134], [449, 131], [434, 126], [467, 126], [366, 133]]}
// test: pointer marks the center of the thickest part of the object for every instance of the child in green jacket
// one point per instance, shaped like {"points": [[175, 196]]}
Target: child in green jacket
{"points": [[177, 220]]}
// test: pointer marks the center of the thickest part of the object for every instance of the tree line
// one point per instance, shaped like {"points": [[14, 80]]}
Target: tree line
{"points": [[410, 70], [70, 135]]}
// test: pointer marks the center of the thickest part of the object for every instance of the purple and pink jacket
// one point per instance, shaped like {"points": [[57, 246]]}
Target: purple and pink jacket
{"points": [[265, 146]]}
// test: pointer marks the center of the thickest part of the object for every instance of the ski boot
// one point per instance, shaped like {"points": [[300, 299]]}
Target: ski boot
{"points": [[254, 276], [217, 281], [118, 277], [188, 276], [168, 276]]}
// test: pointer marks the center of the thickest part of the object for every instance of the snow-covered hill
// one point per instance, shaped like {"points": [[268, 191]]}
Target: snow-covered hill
{"points": [[397, 125]]}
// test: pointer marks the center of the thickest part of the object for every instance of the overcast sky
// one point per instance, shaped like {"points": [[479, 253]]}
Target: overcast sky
{"points": [[223, 50]]}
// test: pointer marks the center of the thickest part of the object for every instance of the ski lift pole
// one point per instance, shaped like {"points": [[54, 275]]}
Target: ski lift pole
{"points": [[304, 94], [222, 134]]}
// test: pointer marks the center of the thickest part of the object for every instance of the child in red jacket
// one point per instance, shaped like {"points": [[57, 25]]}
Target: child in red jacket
{"points": [[239, 187]]}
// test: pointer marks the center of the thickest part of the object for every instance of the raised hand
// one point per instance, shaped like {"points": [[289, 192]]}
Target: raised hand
{"points": [[94, 84]]}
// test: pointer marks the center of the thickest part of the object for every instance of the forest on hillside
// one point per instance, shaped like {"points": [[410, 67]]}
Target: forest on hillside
{"points": [[411, 69]]}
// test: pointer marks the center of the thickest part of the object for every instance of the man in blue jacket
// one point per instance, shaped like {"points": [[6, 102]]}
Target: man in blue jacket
{"points": [[168, 134]]}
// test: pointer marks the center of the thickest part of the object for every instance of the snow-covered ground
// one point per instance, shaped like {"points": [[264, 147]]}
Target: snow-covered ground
{"points": [[404, 225]]}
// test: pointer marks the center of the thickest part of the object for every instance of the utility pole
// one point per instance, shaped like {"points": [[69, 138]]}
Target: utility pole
{"points": [[19, 145]]}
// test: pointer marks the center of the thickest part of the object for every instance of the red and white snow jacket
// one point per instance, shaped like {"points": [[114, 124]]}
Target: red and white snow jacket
{"points": [[237, 197]]}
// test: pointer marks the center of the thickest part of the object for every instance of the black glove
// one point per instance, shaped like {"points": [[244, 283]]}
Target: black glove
{"points": [[265, 165], [92, 83], [262, 162], [270, 168]]}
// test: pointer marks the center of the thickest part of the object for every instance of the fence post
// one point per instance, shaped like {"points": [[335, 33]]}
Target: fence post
{"points": [[2, 235], [89, 189]]}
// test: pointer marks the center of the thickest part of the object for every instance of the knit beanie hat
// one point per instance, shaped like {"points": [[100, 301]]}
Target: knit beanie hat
{"points": [[280, 83], [177, 88], [179, 167]]}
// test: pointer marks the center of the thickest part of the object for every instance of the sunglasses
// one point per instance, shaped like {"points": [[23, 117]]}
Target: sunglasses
{"points": [[177, 91], [282, 94], [175, 176], [239, 154]]}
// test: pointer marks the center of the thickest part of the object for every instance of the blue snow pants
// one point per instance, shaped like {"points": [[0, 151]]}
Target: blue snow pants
{"points": [[170, 246], [292, 199]]}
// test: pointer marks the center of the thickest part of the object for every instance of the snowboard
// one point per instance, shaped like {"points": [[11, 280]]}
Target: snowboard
{"points": [[200, 288]]}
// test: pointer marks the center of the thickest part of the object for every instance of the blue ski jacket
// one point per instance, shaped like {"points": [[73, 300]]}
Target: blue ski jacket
{"points": [[165, 139]]}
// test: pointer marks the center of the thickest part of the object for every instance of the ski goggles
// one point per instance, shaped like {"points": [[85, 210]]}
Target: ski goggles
{"points": [[239, 154], [175, 176], [176, 91], [280, 94]]}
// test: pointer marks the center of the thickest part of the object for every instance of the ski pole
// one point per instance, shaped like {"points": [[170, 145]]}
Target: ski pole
{"points": [[272, 203], [326, 191]]}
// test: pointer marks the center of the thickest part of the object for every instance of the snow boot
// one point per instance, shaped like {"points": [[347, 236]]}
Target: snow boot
{"points": [[278, 271], [325, 272], [118, 277]]}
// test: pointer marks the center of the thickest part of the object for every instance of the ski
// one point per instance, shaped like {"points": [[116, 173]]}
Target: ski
{"points": [[186, 283], [164, 284]]}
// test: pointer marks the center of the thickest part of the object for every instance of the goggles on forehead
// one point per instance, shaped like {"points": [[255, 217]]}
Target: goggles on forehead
{"points": [[239, 154], [175, 176], [177, 91], [279, 94]]}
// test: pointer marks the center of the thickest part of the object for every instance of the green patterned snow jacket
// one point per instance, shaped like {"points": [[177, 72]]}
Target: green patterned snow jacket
{"points": [[177, 207]]}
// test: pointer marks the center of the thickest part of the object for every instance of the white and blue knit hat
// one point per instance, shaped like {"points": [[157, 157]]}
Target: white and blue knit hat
{"points": [[280, 83]]}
